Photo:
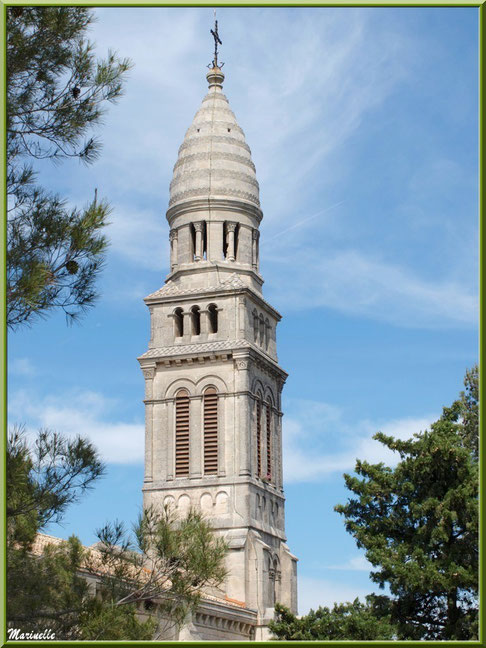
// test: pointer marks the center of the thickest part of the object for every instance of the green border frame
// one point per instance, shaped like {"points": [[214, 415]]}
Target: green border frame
{"points": [[481, 6]]}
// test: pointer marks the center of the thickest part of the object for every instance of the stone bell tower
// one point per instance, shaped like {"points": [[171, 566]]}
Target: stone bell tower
{"points": [[213, 382]]}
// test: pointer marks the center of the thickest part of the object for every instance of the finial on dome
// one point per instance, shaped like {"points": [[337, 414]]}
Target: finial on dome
{"points": [[215, 76]]}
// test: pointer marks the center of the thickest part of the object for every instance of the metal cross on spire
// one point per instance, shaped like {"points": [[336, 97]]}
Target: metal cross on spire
{"points": [[217, 40]]}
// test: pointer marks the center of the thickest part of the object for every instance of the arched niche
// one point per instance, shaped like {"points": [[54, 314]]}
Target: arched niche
{"points": [[222, 503], [177, 385]]}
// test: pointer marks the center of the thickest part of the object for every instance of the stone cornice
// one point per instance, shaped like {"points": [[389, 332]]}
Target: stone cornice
{"points": [[233, 285], [212, 352], [219, 204]]}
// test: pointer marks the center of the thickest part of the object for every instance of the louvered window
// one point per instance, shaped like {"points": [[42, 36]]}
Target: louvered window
{"points": [[259, 436], [210, 431], [182, 434], [269, 440]]}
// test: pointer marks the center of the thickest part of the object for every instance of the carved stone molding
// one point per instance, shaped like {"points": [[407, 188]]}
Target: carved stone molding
{"points": [[214, 174], [215, 155], [173, 235], [234, 193], [207, 139], [148, 373]]}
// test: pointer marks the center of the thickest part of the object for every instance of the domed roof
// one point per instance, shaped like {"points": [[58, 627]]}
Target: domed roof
{"points": [[214, 159]]}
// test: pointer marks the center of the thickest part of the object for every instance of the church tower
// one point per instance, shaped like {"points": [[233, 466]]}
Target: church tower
{"points": [[213, 383]]}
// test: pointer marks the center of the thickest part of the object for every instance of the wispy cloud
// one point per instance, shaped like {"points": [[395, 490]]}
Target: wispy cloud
{"points": [[351, 282], [140, 237], [356, 563], [89, 414], [318, 440], [21, 367], [294, 112], [300, 119]]}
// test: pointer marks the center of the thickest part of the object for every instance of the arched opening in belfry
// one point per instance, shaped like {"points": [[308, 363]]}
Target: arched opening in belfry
{"points": [[213, 318], [193, 241], [205, 241], [237, 231], [225, 240], [196, 320], [178, 322]]}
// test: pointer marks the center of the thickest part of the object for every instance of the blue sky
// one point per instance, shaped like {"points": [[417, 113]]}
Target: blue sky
{"points": [[363, 129]]}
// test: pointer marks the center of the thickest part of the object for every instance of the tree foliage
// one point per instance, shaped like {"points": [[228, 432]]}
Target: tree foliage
{"points": [[357, 621], [124, 587], [418, 523], [44, 478], [167, 559], [57, 93]]}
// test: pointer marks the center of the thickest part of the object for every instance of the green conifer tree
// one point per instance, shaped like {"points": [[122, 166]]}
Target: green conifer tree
{"points": [[56, 93], [418, 523]]}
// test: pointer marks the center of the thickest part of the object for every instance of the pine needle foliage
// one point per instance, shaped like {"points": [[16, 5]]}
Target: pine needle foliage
{"points": [[57, 93], [129, 585]]}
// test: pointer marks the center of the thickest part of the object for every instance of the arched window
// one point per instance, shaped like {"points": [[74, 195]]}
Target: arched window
{"points": [[255, 324], [262, 330], [276, 578], [268, 420], [213, 318], [267, 332], [210, 415], [269, 580], [178, 322], [259, 435], [182, 434], [196, 320]]}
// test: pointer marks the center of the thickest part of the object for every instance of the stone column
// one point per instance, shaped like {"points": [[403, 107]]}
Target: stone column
{"points": [[149, 373], [243, 419], [184, 245], [198, 226], [173, 249], [230, 253], [241, 316], [187, 315], [254, 256]]}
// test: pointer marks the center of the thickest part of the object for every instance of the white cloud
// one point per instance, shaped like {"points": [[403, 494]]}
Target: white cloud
{"points": [[89, 414], [326, 73], [315, 592], [295, 113], [318, 442], [357, 563], [351, 282], [21, 367], [141, 237]]}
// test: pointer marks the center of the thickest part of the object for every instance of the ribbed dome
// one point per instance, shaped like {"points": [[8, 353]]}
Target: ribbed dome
{"points": [[214, 160]]}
